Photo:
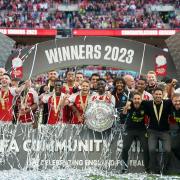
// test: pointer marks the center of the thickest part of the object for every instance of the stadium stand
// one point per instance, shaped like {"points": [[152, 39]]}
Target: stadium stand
{"points": [[95, 14]]}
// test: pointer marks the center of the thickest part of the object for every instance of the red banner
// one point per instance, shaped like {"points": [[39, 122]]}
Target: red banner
{"points": [[91, 32], [124, 32], [29, 32]]}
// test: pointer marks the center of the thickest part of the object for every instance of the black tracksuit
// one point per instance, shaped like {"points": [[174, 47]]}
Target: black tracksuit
{"points": [[135, 128], [175, 138]]}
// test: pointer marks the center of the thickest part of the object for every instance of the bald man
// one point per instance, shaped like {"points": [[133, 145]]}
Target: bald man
{"points": [[130, 83]]}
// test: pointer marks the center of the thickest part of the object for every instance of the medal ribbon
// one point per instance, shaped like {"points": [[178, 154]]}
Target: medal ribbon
{"points": [[24, 99], [3, 97], [83, 105], [117, 97], [67, 89], [56, 107], [160, 111]]}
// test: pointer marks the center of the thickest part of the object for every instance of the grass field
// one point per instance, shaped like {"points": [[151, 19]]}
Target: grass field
{"points": [[74, 174], [133, 177]]}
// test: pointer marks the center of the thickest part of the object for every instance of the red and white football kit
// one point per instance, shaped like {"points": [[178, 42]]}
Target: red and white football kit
{"points": [[67, 111], [55, 109], [80, 102], [26, 102], [6, 104], [104, 97], [147, 96]]}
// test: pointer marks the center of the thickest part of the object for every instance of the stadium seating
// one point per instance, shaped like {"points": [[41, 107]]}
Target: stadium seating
{"points": [[97, 14]]}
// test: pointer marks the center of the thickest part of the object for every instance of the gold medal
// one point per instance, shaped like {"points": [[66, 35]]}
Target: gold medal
{"points": [[24, 101], [2, 101], [158, 116], [3, 104], [67, 90], [56, 105]]}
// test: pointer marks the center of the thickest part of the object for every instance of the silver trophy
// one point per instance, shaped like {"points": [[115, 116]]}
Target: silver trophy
{"points": [[99, 116]]}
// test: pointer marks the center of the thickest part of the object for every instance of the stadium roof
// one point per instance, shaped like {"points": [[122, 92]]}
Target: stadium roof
{"points": [[6, 46], [173, 44]]}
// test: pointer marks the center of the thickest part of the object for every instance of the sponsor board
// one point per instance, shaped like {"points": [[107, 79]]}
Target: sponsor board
{"points": [[61, 146]]}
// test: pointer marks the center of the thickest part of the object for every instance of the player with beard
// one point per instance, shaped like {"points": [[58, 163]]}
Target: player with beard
{"points": [[7, 95], [56, 102], [48, 87], [68, 87], [93, 79], [158, 112], [79, 102], [121, 94], [135, 129], [175, 112]]}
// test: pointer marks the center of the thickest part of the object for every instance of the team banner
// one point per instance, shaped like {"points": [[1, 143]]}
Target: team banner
{"points": [[63, 146], [78, 51]]}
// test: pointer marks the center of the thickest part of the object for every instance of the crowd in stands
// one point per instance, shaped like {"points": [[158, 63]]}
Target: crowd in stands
{"points": [[90, 14]]}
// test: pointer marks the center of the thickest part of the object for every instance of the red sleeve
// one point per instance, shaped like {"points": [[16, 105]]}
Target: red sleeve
{"points": [[172, 120], [146, 120]]}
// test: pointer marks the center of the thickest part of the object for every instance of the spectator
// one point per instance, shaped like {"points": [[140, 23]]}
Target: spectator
{"points": [[90, 14]]}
